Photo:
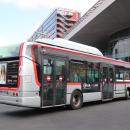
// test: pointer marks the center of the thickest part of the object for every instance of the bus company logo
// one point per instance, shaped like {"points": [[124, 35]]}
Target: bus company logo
{"points": [[3, 70]]}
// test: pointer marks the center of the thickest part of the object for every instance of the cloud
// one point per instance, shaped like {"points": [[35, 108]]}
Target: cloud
{"points": [[80, 5], [4, 40]]}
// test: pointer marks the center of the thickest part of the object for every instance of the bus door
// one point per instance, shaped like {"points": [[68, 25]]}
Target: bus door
{"points": [[60, 82], [54, 81], [107, 82]]}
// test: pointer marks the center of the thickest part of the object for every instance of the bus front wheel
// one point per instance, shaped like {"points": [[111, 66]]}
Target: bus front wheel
{"points": [[76, 101]]}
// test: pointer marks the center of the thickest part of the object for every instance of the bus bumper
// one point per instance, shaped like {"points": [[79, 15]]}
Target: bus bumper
{"points": [[21, 101]]}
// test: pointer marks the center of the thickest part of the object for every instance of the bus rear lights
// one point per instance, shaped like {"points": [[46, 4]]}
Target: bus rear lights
{"points": [[37, 93], [15, 94]]}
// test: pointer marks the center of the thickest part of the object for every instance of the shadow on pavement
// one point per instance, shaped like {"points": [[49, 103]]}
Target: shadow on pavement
{"points": [[32, 112]]}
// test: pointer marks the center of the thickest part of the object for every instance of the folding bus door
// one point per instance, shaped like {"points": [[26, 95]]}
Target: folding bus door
{"points": [[107, 82], [48, 81], [54, 81]]}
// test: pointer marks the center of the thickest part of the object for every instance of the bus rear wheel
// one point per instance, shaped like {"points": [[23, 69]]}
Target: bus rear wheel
{"points": [[76, 101], [127, 94]]}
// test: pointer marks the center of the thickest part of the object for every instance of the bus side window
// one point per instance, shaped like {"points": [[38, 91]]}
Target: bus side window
{"points": [[126, 76], [111, 75], [93, 74], [119, 74], [105, 73], [77, 72], [60, 69], [29, 51], [47, 70]]}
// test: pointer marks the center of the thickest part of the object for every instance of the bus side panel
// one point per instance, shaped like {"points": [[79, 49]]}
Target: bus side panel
{"points": [[71, 87], [87, 97], [29, 89], [94, 96], [119, 90], [28, 76]]}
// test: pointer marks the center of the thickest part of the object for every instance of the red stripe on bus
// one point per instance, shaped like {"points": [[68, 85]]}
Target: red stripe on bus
{"points": [[122, 83], [85, 54], [7, 88], [72, 84], [20, 63], [35, 69], [36, 74], [69, 83]]}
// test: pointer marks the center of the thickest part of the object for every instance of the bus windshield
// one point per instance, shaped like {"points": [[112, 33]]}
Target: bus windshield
{"points": [[9, 50]]}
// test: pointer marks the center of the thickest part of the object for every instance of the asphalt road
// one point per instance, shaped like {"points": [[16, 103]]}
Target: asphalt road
{"points": [[114, 115]]}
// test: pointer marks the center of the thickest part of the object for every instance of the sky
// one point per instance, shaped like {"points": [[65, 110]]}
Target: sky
{"points": [[20, 18]]}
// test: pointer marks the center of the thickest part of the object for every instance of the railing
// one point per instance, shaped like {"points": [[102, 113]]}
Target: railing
{"points": [[90, 11], [60, 34], [60, 29], [63, 21]]}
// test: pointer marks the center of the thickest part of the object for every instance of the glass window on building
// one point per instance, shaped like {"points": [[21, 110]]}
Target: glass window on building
{"points": [[116, 51]]}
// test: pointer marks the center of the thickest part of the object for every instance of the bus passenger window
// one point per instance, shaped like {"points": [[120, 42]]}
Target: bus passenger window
{"points": [[126, 76], [77, 72], [47, 70], [60, 69], [93, 75], [111, 75], [119, 74], [105, 72]]}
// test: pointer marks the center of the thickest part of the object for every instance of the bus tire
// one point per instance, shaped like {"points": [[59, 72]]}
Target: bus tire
{"points": [[127, 94], [128, 89], [76, 101]]}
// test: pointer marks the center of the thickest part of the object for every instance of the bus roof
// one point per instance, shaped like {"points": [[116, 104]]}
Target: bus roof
{"points": [[93, 54], [70, 45]]}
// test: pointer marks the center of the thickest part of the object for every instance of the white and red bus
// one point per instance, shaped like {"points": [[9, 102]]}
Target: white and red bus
{"points": [[49, 73]]}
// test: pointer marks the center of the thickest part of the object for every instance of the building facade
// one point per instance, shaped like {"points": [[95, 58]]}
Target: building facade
{"points": [[106, 26], [59, 22], [118, 46]]}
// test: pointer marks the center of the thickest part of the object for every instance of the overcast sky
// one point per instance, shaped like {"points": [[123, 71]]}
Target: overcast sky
{"points": [[20, 18]]}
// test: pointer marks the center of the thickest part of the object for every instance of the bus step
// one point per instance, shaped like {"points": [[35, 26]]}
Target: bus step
{"points": [[108, 99]]}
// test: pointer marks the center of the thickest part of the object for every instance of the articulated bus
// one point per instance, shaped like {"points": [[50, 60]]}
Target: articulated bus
{"points": [[48, 73]]}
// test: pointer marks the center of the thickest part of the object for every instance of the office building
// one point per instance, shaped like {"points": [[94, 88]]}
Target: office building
{"points": [[59, 22]]}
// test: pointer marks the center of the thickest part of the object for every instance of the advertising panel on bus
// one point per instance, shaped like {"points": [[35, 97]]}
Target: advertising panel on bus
{"points": [[3, 70]]}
